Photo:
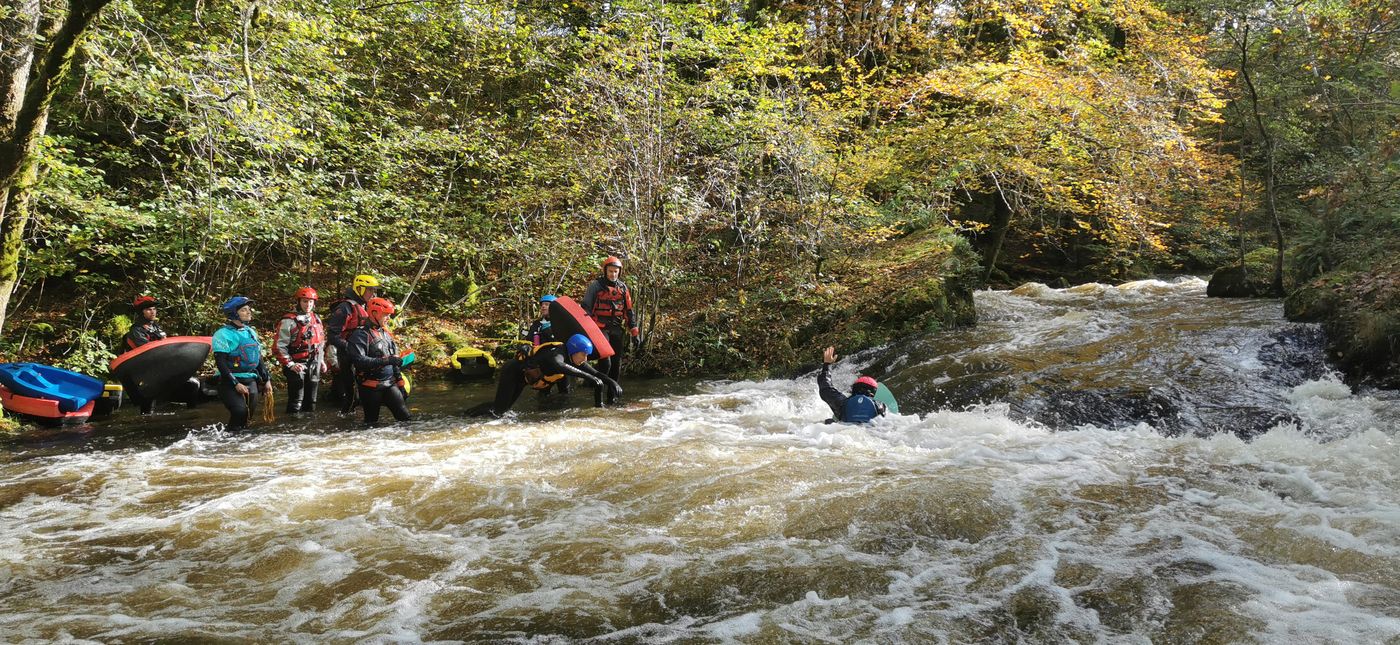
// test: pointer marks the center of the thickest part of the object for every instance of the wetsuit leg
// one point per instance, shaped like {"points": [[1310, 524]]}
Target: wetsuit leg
{"points": [[509, 387], [132, 392], [239, 406], [309, 389], [295, 385], [344, 382], [370, 400], [392, 398], [617, 337]]}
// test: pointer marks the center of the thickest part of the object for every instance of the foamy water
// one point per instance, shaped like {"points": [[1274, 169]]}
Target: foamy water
{"points": [[729, 514]]}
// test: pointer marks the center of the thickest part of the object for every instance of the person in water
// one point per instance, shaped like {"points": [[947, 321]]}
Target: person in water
{"points": [[379, 364], [548, 363], [301, 350], [542, 332], [609, 302], [860, 406], [347, 315], [146, 327], [243, 375]]}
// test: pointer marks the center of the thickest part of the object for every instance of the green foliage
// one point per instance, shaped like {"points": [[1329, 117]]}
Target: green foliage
{"points": [[87, 353], [738, 156]]}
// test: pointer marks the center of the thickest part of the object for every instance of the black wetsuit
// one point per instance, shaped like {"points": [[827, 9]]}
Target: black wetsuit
{"points": [[378, 369], [343, 383], [836, 400], [142, 332], [549, 361]]}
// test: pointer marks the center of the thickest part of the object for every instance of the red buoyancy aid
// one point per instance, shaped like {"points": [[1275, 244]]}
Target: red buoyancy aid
{"points": [[611, 301], [356, 317], [305, 335]]}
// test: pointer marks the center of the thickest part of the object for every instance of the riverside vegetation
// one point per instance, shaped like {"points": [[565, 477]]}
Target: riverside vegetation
{"points": [[778, 175]]}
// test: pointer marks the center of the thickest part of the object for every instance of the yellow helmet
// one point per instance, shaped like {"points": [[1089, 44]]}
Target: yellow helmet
{"points": [[362, 281]]}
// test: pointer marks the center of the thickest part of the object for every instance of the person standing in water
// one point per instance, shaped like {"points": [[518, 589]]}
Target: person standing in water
{"points": [[609, 302], [301, 350], [145, 329], [243, 374], [378, 364], [347, 315]]}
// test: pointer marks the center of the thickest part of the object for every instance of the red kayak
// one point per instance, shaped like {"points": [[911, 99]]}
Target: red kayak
{"points": [[566, 318]]}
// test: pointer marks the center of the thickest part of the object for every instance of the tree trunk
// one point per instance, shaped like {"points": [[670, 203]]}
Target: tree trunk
{"points": [[1270, 181], [1001, 222], [29, 79], [1271, 193]]}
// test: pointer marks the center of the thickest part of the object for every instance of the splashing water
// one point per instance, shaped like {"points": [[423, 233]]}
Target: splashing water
{"points": [[729, 512]]}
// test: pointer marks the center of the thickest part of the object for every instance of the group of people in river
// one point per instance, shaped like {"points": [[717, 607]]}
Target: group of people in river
{"points": [[367, 363]]}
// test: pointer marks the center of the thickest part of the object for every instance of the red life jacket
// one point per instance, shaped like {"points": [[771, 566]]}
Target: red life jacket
{"points": [[611, 301], [305, 336], [357, 316]]}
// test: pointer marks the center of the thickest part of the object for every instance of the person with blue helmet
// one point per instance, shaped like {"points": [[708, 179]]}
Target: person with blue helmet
{"points": [[860, 406], [542, 332], [547, 364], [243, 374]]}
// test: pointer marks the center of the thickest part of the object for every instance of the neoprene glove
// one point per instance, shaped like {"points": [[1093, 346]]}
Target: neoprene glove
{"points": [[408, 359]]}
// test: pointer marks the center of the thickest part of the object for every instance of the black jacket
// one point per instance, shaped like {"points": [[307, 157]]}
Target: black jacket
{"points": [[375, 355], [335, 322], [142, 332]]}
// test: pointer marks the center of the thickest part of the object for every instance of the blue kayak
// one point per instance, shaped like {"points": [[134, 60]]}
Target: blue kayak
{"points": [[71, 389]]}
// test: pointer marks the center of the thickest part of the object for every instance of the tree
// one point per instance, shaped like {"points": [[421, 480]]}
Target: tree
{"points": [[35, 54]]}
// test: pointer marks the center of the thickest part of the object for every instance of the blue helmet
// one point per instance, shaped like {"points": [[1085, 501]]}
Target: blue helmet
{"points": [[578, 343], [548, 298], [232, 305]]}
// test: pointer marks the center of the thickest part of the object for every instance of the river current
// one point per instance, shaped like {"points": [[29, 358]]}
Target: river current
{"points": [[1132, 463]]}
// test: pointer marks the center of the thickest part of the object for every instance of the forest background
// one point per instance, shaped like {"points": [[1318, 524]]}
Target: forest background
{"points": [[776, 175]]}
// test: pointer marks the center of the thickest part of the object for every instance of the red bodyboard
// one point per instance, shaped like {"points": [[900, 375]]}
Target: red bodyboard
{"points": [[567, 318]]}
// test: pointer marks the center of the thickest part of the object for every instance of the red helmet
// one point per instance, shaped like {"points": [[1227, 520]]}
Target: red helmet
{"points": [[612, 261], [141, 302], [868, 382], [307, 292], [377, 308]]}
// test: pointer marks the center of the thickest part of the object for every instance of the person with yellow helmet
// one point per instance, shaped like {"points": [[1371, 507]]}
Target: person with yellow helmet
{"points": [[379, 364], [348, 314]]}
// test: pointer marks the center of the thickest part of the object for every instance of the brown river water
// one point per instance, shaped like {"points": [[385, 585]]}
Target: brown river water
{"points": [[1100, 464]]}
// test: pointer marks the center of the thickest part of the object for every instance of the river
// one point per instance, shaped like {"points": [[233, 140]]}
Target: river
{"points": [[1132, 463]]}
